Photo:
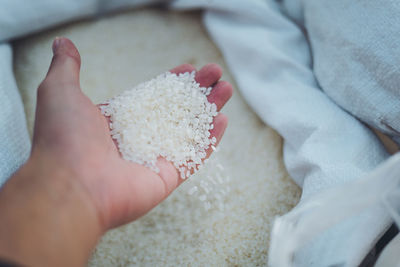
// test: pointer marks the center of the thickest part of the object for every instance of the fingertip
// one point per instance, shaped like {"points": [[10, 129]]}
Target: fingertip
{"points": [[209, 74], [220, 123], [215, 68], [62, 45], [65, 64], [56, 44], [227, 88], [220, 94], [183, 68], [221, 119]]}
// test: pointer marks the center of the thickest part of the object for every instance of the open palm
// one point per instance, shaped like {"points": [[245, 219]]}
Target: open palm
{"points": [[72, 135]]}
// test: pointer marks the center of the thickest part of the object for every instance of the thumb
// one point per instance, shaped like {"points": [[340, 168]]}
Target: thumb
{"points": [[65, 65], [59, 96]]}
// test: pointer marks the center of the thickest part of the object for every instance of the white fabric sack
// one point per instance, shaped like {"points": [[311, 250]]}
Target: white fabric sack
{"points": [[378, 191]]}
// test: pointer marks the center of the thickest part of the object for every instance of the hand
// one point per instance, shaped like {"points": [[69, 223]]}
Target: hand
{"points": [[72, 148], [71, 129]]}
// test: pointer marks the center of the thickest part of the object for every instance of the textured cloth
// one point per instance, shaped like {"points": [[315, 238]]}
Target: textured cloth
{"points": [[14, 138], [356, 56], [305, 67]]}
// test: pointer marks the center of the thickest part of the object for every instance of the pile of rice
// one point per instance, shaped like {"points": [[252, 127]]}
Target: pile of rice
{"points": [[168, 116]]}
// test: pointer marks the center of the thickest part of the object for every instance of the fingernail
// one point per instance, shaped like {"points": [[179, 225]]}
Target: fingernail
{"points": [[56, 44]]}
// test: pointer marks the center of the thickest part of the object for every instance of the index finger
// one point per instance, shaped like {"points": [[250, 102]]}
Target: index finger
{"points": [[183, 68]]}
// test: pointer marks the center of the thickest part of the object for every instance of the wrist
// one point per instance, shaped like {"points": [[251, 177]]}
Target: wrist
{"points": [[47, 216]]}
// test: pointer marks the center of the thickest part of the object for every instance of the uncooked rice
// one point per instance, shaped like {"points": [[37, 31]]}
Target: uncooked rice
{"points": [[168, 116]]}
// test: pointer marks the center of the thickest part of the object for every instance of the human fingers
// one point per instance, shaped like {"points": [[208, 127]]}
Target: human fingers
{"points": [[220, 123], [183, 68], [61, 84], [171, 176], [59, 94], [220, 94], [208, 75], [65, 65]]}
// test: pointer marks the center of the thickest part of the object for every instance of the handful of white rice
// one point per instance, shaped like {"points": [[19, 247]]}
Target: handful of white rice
{"points": [[168, 116]]}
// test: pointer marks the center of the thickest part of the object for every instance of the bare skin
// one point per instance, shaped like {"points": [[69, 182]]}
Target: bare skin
{"points": [[75, 185]]}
